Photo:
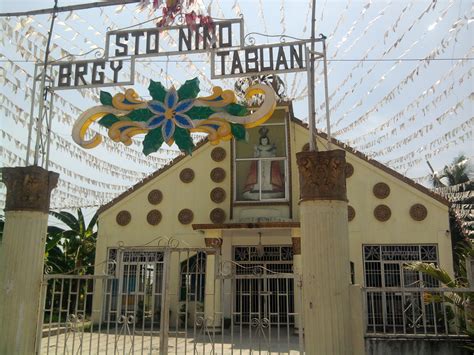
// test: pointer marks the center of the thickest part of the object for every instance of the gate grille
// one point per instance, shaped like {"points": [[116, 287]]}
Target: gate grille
{"points": [[173, 300]]}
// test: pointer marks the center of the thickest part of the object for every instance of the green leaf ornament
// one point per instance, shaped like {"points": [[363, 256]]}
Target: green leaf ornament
{"points": [[153, 141], [189, 90], [105, 98]]}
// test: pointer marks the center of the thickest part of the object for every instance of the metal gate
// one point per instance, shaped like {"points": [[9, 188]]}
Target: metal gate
{"points": [[171, 300]]}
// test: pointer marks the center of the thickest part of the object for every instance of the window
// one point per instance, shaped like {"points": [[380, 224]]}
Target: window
{"points": [[393, 303], [261, 163], [383, 265]]}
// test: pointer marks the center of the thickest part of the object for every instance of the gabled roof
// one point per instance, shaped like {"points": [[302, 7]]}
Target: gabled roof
{"points": [[323, 135]]}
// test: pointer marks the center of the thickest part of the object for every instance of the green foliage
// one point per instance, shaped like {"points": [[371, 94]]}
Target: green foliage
{"points": [[140, 115], [462, 302], [199, 112], [108, 120], [183, 140], [157, 91], [153, 141], [71, 249], [105, 98], [189, 90], [237, 110], [238, 131]]}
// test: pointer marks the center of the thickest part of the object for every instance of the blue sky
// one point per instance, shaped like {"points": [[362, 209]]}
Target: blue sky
{"points": [[391, 105]]}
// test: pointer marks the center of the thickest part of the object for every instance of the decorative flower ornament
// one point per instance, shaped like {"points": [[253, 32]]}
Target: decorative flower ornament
{"points": [[170, 113]]}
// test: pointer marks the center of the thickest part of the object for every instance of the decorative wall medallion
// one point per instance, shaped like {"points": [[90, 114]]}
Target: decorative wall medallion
{"points": [[296, 242], [382, 213], [155, 197], [218, 195], [218, 154], [185, 216], [418, 212], [123, 218], [186, 175], [349, 170], [217, 174], [381, 190], [153, 217], [351, 213], [217, 215]]}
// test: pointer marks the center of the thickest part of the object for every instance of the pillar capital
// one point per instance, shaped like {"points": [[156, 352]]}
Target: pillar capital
{"points": [[322, 175], [28, 188], [296, 243]]}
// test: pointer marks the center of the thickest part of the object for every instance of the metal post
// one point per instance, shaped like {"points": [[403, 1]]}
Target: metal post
{"points": [[44, 93], [311, 118], [32, 114], [311, 97], [48, 129], [326, 94], [165, 303]]}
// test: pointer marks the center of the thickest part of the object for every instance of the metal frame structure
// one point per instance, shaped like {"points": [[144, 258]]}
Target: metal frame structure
{"points": [[138, 309]]}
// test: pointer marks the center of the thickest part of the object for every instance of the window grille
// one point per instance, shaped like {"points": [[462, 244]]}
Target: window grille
{"points": [[389, 306]]}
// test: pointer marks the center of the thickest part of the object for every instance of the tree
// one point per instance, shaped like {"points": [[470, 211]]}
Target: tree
{"points": [[461, 302], [71, 249], [455, 174]]}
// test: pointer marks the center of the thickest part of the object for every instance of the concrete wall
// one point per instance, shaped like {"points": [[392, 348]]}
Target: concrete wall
{"points": [[438, 346], [364, 229]]}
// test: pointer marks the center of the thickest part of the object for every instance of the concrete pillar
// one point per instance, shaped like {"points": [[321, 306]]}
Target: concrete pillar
{"points": [[212, 299], [22, 255], [325, 252]]}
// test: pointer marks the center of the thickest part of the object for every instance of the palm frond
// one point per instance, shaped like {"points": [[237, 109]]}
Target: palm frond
{"points": [[67, 218], [93, 222], [433, 271]]}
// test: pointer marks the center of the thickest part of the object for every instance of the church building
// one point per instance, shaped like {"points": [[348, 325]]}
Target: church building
{"points": [[235, 206]]}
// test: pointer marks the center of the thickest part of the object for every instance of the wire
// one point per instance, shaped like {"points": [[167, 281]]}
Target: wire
{"points": [[69, 8], [317, 60]]}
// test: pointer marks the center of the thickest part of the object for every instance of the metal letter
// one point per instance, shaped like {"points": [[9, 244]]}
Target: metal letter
{"points": [[150, 34], [81, 69], [100, 64], [236, 63], [222, 55], [137, 36], [223, 44], [64, 73], [281, 59], [251, 60], [182, 38], [296, 56], [262, 59], [116, 69], [118, 37]]}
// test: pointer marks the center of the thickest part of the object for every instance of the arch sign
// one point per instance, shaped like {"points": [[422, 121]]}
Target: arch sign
{"points": [[173, 113]]}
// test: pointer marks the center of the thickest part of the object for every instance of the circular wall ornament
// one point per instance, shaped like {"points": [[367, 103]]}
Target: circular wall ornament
{"points": [[349, 170], [217, 215], [155, 197], [153, 217], [185, 216], [217, 174], [382, 213], [418, 212], [218, 154], [123, 218], [218, 195], [186, 175], [381, 190], [351, 213]]}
